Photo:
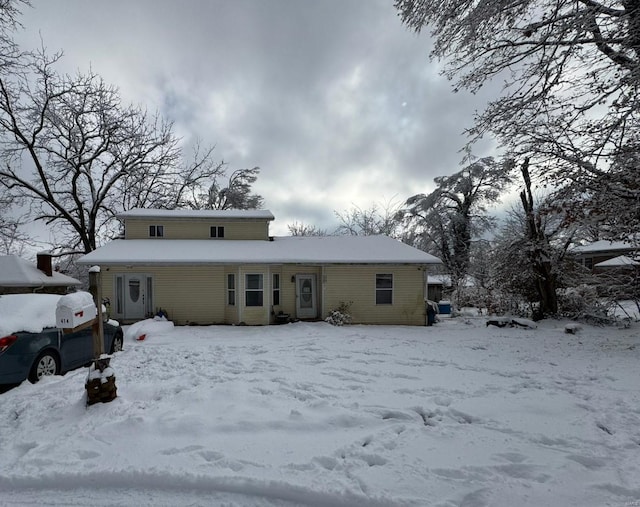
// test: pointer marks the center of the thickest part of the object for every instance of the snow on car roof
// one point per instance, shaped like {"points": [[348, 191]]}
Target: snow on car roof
{"points": [[282, 250], [33, 312], [27, 312]]}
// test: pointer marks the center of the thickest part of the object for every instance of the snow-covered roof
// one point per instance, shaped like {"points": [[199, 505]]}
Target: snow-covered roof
{"points": [[17, 272], [603, 245], [439, 280], [282, 250], [616, 262], [261, 214], [445, 280]]}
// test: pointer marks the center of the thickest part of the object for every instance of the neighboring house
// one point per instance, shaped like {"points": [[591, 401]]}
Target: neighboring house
{"points": [[622, 262], [222, 267], [600, 251], [614, 266], [437, 285], [18, 276], [620, 275]]}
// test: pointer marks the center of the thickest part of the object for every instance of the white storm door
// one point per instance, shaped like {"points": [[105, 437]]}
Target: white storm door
{"points": [[134, 296], [306, 307]]}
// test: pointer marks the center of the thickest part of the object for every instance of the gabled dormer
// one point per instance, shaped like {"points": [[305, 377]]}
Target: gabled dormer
{"points": [[217, 225]]}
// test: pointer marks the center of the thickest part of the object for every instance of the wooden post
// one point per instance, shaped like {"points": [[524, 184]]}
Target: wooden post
{"points": [[95, 288], [101, 384]]}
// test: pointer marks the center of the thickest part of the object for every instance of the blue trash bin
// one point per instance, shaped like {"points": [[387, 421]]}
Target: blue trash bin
{"points": [[444, 307]]}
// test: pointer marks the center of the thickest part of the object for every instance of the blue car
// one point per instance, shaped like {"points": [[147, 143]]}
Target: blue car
{"points": [[31, 346]]}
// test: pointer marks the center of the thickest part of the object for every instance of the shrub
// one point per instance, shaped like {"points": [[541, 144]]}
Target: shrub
{"points": [[341, 315]]}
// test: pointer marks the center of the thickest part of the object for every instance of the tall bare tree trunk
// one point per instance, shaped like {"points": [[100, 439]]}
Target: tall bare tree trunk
{"points": [[539, 252]]}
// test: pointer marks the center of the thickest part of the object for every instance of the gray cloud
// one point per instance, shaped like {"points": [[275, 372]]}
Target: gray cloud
{"points": [[335, 100]]}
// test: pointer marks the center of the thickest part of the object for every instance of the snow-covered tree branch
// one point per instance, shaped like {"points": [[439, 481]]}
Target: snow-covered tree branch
{"points": [[570, 72], [78, 155]]}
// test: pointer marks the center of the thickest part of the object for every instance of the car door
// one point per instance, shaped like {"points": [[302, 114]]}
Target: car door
{"points": [[76, 349]]}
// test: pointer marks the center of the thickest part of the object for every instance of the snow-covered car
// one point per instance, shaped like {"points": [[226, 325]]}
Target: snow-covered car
{"points": [[31, 345]]}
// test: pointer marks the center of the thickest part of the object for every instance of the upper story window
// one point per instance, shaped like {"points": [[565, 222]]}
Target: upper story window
{"points": [[156, 231], [216, 231], [384, 289]]}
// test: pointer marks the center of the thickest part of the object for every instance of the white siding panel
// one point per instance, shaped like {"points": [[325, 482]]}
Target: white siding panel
{"points": [[357, 285]]}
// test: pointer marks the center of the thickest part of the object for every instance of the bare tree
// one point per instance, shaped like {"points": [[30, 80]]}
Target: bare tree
{"points": [[538, 250], [445, 221], [10, 54], [236, 194], [78, 156], [571, 71], [302, 229], [12, 240], [530, 255], [377, 219]]}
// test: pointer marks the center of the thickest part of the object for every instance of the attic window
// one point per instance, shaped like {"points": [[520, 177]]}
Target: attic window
{"points": [[156, 231], [217, 231]]}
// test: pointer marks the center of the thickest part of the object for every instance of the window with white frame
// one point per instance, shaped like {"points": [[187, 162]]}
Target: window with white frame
{"points": [[119, 309], [231, 289], [384, 289], [253, 289], [276, 289], [156, 231], [216, 231]]}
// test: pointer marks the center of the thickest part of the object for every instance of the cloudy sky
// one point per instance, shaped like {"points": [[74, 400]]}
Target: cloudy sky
{"points": [[335, 100]]}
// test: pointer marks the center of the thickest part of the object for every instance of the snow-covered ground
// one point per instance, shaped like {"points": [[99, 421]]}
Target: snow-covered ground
{"points": [[459, 414]]}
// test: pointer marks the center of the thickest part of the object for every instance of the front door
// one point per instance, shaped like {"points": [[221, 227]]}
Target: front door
{"points": [[134, 296], [306, 307]]}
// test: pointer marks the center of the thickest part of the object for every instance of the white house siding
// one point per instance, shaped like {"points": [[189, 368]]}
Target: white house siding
{"points": [[198, 294], [197, 229], [356, 284], [189, 294]]}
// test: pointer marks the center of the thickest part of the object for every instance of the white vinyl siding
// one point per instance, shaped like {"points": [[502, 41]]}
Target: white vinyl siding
{"points": [[197, 229], [189, 294], [356, 284]]}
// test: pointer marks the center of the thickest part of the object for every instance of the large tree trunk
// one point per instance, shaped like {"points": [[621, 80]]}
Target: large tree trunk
{"points": [[539, 254]]}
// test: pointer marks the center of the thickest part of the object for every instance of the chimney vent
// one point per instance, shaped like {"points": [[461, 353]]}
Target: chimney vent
{"points": [[44, 263]]}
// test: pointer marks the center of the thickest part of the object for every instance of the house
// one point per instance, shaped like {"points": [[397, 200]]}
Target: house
{"points": [[614, 267], [600, 251], [222, 267], [437, 285], [18, 276], [622, 262], [619, 276]]}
